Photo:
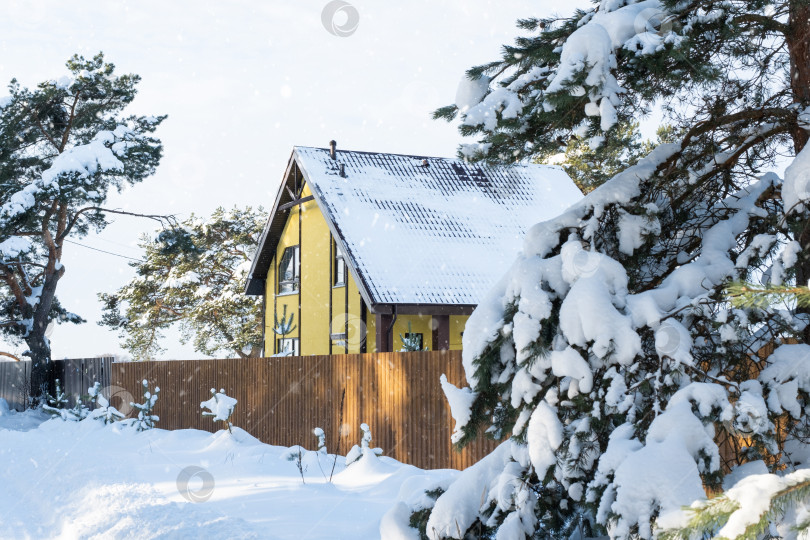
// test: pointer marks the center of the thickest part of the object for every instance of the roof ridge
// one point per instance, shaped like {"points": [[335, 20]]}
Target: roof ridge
{"points": [[455, 159]]}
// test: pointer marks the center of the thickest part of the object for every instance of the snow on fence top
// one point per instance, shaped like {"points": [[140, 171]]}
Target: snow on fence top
{"points": [[431, 230]]}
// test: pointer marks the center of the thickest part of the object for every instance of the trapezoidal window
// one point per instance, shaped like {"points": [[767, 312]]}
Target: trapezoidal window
{"points": [[289, 271], [340, 267]]}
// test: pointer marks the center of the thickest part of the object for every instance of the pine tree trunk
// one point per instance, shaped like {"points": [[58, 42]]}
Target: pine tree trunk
{"points": [[38, 345], [798, 43]]}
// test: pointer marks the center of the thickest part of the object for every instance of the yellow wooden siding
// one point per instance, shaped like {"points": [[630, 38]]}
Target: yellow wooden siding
{"points": [[457, 323], [315, 286], [371, 332], [356, 325], [289, 237], [420, 324], [316, 292]]}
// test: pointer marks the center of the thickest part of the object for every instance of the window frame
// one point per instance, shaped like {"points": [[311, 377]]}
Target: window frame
{"points": [[339, 261], [293, 286], [296, 345]]}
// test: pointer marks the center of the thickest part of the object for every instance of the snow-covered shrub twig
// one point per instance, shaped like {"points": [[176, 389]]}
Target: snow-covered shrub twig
{"points": [[340, 424], [220, 407], [321, 440], [319, 433], [296, 455], [364, 450]]}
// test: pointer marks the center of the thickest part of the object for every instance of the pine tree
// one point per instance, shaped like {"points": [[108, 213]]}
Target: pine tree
{"points": [[63, 146], [610, 352], [192, 276], [411, 342], [590, 168], [102, 410], [145, 419]]}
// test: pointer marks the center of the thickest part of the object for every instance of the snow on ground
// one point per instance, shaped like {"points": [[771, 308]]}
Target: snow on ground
{"points": [[86, 480], [11, 419]]}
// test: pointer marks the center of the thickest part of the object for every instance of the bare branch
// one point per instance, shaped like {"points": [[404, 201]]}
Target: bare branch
{"points": [[164, 220]]}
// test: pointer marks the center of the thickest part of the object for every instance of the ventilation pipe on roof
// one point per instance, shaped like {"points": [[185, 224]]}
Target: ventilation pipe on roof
{"points": [[425, 163], [332, 149], [342, 170]]}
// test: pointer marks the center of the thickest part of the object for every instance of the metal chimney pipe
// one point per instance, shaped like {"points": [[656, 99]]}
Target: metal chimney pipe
{"points": [[342, 170], [332, 149]]}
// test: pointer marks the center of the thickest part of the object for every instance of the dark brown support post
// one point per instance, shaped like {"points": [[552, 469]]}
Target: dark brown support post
{"points": [[346, 313], [329, 288], [441, 332], [300, 263], [275, 302], [382, 324], [363, 327], [264, 317]]}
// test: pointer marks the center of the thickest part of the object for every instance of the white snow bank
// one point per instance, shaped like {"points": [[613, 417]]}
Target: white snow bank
{"points": [[88, 480]]}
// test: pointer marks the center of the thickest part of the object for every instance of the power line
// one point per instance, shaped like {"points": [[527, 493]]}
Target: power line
{"points": [[103, 251]]}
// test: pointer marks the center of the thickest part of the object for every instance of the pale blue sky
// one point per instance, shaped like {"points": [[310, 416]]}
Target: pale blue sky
{"points": [[242, 82]]}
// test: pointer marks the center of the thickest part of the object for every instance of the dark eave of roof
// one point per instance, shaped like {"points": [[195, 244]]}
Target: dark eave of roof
{"points": [[271, 234]]}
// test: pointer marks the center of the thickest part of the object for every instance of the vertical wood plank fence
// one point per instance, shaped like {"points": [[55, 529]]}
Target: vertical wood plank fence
{"points": [[14, 378], [77, 375], [281, 400]]}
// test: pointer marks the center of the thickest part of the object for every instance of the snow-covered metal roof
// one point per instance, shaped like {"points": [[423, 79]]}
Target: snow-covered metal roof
{"points": [[427, 230]]}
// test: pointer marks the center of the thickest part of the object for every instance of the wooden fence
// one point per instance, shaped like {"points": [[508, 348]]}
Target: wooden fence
{"points": [[76, 375], [14, 380], [281, 400]]}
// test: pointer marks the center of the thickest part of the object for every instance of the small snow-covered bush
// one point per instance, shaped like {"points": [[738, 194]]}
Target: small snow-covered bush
{"points": [[145, 420], [102, 410], [220, 407], [321, 440], [364, 449], [56, 406]]}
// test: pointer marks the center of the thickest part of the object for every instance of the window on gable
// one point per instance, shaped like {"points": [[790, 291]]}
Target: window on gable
{"points": [[340, 267], [289, 271]]}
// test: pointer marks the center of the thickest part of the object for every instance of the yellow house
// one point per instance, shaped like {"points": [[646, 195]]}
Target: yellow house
{"points": [[364, 251]]}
